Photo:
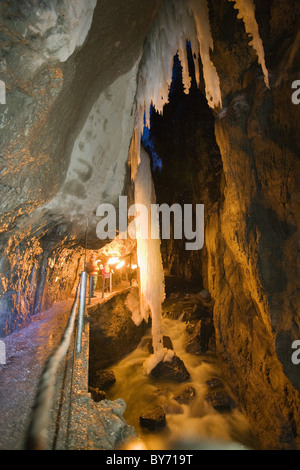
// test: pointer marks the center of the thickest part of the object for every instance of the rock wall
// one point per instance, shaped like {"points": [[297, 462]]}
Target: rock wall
{"points": [[70, 74], [54, 82], [253, 266], [247, 179], [113, 331]]}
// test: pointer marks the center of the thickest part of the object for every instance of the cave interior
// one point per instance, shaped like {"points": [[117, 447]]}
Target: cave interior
{"points": [[175, 103]]}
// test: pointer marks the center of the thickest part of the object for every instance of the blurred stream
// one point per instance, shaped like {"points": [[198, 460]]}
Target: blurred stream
{"points": [[196, 424]]}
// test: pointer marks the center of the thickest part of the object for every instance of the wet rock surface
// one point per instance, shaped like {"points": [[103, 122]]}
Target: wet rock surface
{"points": [[220, 400], [99, 382], [173, 371], [187, 302], [185, 397], [102, 379], [153, 419], [195, 308], [113, 334], [97, 394], [167, 343], [200, 334], [218, 397]]}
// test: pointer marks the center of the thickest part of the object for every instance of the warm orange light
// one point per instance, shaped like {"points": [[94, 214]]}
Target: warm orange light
{"points": [[113, 260], [135, 445], [120, 265]]}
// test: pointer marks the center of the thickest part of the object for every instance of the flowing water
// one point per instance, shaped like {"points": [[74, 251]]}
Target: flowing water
{"points": [[194, 425]]}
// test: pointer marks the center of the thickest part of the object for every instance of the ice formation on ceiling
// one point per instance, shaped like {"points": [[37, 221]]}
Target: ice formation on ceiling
{"points": [[205, 41], [247, 14], [178, 21]]}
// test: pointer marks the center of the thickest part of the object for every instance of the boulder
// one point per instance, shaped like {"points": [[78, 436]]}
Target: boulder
{"points": [[186, 396], [171, 371], [113, 333], [214, 383], [97, 394], [217, 396], [102, 379], [153, 419], [220, 400]]}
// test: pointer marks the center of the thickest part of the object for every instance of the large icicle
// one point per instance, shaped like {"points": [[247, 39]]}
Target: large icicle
{"points": [[178, 21], [151, 275], [247, 14], [211, 78], [169, 34]]}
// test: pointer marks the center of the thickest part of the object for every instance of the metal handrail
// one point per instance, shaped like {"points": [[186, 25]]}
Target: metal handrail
{"points": [[36, 438]]}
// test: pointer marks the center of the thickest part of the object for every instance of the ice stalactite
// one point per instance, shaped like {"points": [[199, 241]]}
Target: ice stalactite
{"points": [[151, 276], [246, 10], [206, 44], [178, 22]]}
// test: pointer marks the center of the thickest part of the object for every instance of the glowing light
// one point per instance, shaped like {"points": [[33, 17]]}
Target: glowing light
{"points": [[135, 445], [120, 265], [134, 266], [113, 260]]}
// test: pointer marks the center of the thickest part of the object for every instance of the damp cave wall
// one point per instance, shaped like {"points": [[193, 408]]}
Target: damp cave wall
{"points": [[250, 259], [66, 66], [250, 262]]}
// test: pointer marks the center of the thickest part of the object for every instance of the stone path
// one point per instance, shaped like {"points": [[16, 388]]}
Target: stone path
{"points": [[27, 351]]}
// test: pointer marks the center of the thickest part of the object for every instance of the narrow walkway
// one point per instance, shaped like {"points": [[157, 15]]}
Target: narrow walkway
{"points": [[27, 351]]}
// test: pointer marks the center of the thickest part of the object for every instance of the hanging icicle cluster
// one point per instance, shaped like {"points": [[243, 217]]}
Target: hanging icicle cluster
{"points": [[247, 14], [178, 22]]}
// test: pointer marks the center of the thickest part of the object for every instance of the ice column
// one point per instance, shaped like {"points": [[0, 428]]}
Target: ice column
{"points": [[152, 288], [247, 14]]}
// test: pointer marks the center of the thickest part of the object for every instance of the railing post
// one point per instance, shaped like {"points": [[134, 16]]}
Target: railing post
{"points": [[81, 310], [103, 285], [90, 288]]}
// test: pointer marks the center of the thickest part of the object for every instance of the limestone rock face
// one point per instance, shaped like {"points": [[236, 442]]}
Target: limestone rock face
{"points": [[113, 333], [253, 242], [70, 74], [249, 187], [200, 334], [69, 70]]}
